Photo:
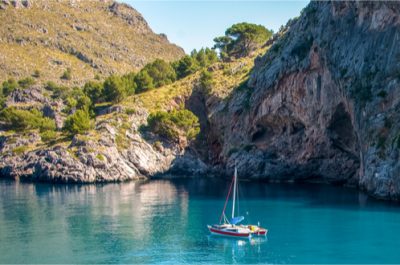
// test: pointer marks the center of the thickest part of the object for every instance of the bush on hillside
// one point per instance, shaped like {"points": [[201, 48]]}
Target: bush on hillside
{"points": [[2, 102], [17, 119], [206, 81], [204, 57], [95, 91], [185, 66], [9, 86], [144, 82], [161, 72], [130, 84], [194, 62], [48, 136], [58, 91], [114, 89], [78, 123], [174, 124], [26, 82], [76, 99]]}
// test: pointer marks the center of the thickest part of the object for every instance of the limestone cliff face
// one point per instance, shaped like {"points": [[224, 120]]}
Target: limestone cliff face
{"points": [[322, 104]]}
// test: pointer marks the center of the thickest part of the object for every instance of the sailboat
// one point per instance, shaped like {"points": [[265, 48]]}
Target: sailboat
{"points": [[232, 227]]}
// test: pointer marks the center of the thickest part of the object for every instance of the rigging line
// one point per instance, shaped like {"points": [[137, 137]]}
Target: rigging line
{"points": [[226, 201]]}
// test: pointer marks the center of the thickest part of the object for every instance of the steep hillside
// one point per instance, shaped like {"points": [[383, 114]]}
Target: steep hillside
{"points": [[117, 147], [322, 104], [89, 37]]}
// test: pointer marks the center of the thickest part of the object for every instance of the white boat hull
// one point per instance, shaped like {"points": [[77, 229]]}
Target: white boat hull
{"points": [[240, 233]]}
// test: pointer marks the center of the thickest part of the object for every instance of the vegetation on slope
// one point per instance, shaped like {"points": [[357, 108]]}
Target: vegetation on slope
{"points": [[73, 41], [174, 124], [160, 87]]}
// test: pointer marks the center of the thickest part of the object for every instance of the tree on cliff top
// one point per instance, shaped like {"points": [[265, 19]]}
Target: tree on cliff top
{"points": [[242, 39]]}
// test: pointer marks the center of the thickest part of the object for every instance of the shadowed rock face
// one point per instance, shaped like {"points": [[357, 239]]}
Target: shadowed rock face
{"points": [[313, 111]]}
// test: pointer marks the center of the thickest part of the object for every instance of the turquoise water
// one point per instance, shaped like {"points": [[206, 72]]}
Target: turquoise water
{"points": [[165, 222]]}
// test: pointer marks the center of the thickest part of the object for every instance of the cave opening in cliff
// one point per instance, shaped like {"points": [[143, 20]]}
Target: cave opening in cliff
{"points": [[341, 130]]}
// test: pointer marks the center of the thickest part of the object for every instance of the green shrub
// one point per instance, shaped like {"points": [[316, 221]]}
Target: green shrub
{"points": [[2, 102], [161, 124], [173, 124], [185, 66], [95, 91], [205, 57], [153, 75], [9, 86], [161, 72], [129, 83], [206, 81], [114, 89], [26, 82], [143, 81], [76, 99], [67, 75], [78, 123], [46, 124], [50, 85], [17, 119], [58, 91], [48, 136], [83, 102], [194, 62]]}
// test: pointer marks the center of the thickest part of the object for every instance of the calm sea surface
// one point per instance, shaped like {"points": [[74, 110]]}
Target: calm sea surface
{"points": [[164, 221]]}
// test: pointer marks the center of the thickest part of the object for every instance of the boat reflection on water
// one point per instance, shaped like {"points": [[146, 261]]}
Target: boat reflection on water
{"points": [[238, 248], [253, 241]]}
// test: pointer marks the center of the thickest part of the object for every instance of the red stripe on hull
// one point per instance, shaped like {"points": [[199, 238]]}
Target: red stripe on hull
{"points": [[229, 233], [261, 233]]}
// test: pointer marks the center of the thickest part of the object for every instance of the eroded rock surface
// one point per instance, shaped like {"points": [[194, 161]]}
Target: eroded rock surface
{"points": [[322, 104]]}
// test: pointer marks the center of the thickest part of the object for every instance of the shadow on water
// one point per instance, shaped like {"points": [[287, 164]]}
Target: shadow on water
{"points": [[308, 194]]}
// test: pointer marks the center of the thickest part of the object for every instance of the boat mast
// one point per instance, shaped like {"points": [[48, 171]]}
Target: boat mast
{"points": [[234, 192]]}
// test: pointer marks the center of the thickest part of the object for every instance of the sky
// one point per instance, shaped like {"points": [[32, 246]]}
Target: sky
{"points": [[194, 24]]}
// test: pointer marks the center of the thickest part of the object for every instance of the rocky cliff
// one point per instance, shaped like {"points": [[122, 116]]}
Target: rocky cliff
{"points": [[322, 104], [92, 38]]}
